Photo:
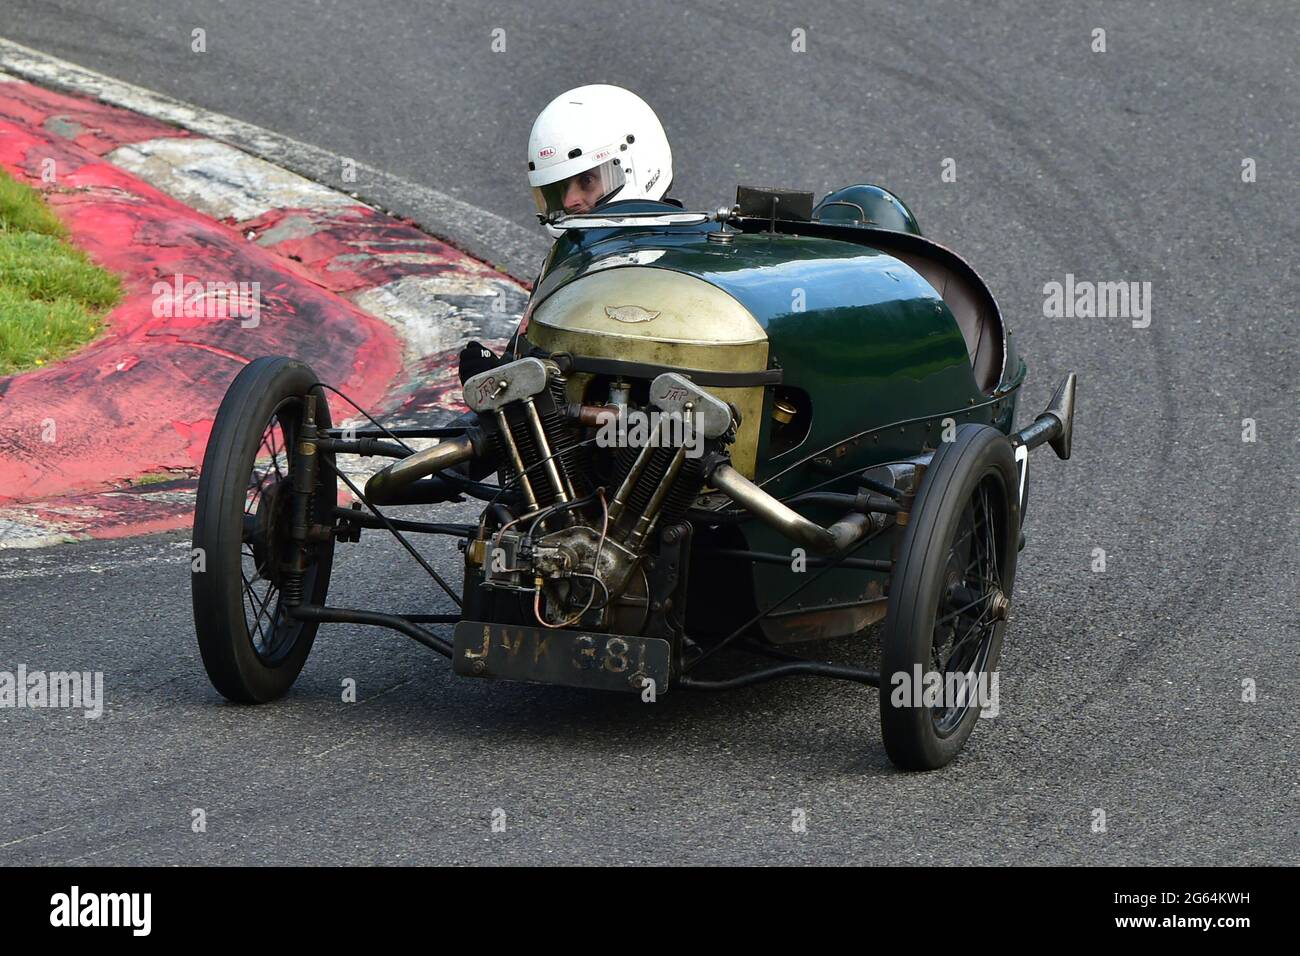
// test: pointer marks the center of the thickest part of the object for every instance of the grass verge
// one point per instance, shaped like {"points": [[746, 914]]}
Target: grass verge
{"points": [[52, 297]]}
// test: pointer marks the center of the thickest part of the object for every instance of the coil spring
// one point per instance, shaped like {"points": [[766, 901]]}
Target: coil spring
{"points": [[293, 588]]}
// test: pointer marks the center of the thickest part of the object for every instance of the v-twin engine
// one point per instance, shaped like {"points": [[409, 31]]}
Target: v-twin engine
{"points": [[596, 485]]}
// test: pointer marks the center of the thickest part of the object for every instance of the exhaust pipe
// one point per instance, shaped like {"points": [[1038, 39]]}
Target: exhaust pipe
{"points": [[850, 529], [1056, 423], [386, 487]]}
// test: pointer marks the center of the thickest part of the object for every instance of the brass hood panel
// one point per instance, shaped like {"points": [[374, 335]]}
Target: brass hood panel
{"points": [[668, 319]]}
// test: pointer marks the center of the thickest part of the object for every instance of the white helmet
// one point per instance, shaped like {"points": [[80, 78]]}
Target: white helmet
{"points": [[593, 144]]}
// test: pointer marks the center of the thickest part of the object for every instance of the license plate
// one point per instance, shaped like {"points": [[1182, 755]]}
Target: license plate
{"points": [[571, 658]]}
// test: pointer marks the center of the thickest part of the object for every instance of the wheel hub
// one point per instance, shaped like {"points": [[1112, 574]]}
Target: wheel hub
{"points": [[267, 537], [999, 604]]}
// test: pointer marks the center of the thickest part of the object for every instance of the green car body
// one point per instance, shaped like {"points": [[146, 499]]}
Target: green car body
{"points": [[868, 351]]}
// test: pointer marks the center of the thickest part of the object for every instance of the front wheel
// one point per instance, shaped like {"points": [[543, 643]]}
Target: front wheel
{"points": [[245, 558], [949, 597]]}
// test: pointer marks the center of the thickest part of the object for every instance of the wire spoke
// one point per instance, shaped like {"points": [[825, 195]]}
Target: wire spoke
{"points": [[991, 540], [978, 627], [275, 451], [279, 627], [962, 636], [260, 602], [257, 620], [961, 610]]}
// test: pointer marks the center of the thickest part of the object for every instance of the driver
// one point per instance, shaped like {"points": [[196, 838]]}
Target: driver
{"points": [[589, 146], [592, 145]]}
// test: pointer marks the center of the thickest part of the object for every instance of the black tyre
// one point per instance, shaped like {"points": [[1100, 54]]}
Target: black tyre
{"points": [[252, 649], [949, 596]]}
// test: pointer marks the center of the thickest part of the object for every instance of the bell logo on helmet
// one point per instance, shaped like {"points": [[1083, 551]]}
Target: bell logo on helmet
{"points": [[630, 313], [546, 152]]}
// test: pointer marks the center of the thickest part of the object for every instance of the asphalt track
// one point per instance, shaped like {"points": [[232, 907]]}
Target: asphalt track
{"points": [[1120, 690]]}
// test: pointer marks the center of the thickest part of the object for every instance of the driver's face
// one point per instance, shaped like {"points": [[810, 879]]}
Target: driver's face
{"points": [[582, 192]]}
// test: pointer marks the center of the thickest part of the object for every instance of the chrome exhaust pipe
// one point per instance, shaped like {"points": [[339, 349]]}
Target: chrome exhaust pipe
{"points": [[849, 530], [385, 487]]}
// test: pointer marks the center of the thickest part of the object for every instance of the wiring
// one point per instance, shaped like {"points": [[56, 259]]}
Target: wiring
{"points": [[600, 547]]}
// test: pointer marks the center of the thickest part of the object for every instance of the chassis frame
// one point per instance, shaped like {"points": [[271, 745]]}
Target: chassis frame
{"points": [[1054, 426]]}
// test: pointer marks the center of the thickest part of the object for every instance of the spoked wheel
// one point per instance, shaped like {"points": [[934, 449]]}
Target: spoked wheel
{"points": [[949, 598], [244, 574]]}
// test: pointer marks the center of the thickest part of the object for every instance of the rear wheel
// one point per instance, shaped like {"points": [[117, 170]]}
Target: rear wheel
{"points": [[252, 648], [949, 598]]}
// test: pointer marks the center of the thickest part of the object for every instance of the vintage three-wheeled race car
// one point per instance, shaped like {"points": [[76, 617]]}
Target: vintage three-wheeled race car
{"points": [[716, 437]]}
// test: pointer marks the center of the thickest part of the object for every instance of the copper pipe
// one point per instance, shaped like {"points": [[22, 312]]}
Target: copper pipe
{"points": [[593, 416]]}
